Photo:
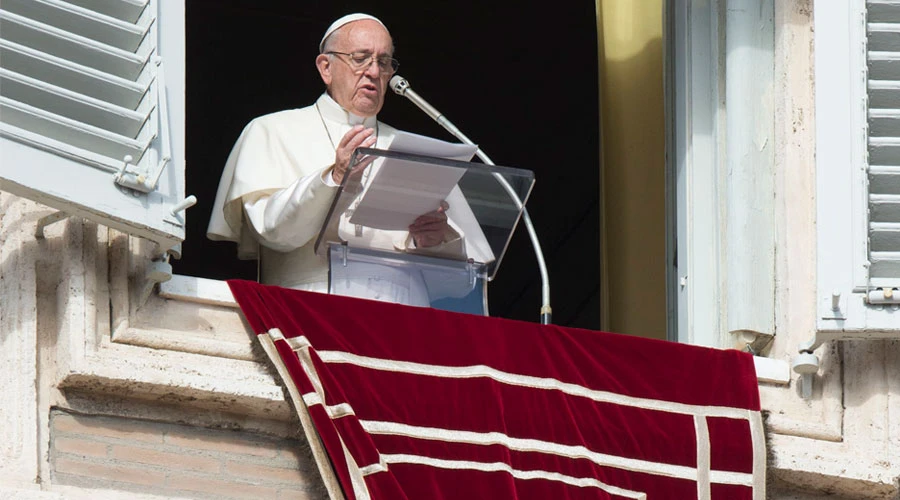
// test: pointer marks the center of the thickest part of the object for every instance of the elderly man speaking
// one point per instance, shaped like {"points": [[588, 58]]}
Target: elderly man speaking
{"points": [[285, 168]]}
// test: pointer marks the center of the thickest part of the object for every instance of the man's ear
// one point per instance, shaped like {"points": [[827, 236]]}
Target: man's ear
{"points": [[323, 64]]}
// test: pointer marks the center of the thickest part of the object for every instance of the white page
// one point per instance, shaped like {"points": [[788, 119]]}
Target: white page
{"points": [[406, 142], [399, 191]]}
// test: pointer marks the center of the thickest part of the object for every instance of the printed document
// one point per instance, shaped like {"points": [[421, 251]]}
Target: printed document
{"points": [[399, 191]]}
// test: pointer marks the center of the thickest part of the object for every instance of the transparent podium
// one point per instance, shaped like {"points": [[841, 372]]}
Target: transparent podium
{"points": [[373, 252]]}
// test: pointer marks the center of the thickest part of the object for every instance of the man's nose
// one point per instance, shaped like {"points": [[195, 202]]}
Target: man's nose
{"points": [[373, 70]]}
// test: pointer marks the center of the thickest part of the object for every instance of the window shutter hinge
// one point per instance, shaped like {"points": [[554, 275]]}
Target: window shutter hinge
{"points": [[131, 180]]}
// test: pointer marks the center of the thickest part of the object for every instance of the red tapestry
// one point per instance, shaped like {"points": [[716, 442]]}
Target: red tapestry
{"points": [[417, 403]]}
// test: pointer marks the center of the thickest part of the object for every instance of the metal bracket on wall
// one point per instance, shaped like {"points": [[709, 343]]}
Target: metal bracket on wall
{"points": [[806, 363], [46, 221]]}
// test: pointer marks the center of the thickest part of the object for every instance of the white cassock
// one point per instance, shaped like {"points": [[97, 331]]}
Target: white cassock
{"points": [[273, 198]]}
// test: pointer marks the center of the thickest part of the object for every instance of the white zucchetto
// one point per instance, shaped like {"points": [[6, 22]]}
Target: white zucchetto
{"points": [[349, 18]]}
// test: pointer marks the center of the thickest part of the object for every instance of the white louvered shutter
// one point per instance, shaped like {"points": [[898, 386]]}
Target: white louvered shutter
{"points": [[92, 110], [857, 121], [883, 76]]}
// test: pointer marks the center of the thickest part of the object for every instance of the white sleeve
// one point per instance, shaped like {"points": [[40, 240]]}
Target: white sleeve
{"points": [[289, 218]]}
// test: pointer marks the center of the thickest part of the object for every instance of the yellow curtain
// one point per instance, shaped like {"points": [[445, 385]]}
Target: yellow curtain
{"points": [[630, 37]]}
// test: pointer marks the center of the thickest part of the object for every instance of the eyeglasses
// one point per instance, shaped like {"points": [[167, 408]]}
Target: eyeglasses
{"points": [[360, 61]]}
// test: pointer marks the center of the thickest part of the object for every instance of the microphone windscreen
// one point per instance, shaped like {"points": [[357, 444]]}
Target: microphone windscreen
{"points": [[399, 84]]}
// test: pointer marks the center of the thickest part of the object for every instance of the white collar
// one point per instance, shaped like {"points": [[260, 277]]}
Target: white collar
{"points": [[333, 111]]}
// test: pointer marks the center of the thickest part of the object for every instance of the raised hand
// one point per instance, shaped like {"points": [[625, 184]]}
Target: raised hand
{"points": [[357, 137]]}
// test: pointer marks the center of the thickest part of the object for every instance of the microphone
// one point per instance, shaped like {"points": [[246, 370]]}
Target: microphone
{"points": [[401, 87]]}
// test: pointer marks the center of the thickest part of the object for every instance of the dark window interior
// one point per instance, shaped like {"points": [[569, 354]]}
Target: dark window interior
{"points": [[519, 78]]}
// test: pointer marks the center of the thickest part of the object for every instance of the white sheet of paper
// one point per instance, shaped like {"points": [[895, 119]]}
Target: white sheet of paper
{"points": [[406, 142], [400, 191]]}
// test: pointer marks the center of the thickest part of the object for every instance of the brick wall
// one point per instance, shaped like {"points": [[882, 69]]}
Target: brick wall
{"points": [[178, 460]]}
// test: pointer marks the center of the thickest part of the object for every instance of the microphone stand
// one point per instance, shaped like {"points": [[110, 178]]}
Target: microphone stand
{"points": [[401, 87]]}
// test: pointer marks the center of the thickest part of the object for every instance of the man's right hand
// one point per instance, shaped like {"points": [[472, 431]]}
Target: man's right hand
{"points": [[357, 137]]}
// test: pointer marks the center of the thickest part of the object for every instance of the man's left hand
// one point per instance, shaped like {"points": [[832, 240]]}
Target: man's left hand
{"points": [[429, 229]]}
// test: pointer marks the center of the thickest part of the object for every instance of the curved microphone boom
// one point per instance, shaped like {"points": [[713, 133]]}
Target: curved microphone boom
{"points": [[400, 86]]}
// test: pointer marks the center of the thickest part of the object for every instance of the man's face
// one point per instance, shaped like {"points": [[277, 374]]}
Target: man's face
{"points": [[360, 92]]}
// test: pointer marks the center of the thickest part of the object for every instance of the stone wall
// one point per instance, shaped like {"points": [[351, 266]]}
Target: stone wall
{"points": [[144, 456], [106, 395]]}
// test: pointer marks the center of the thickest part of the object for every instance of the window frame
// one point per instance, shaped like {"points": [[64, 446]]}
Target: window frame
{"points": [[720, 174], [696, 73]]}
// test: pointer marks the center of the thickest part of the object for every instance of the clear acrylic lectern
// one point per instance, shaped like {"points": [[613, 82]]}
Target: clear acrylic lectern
{"points": [[370, 249]]}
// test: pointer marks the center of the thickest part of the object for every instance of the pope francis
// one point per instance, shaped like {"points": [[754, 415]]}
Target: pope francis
{"points": [[285, 168]]}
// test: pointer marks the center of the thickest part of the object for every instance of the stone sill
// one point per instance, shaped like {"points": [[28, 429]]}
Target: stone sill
{"points": [[197, 290], [216, 292]]}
